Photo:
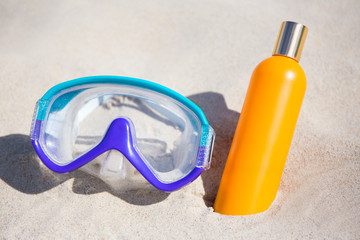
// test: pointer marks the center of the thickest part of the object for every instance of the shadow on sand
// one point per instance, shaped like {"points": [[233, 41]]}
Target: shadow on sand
{"points": [[224, 123]]}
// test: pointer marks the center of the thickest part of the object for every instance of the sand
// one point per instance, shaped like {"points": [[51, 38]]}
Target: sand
{"points": [[205, 50]]}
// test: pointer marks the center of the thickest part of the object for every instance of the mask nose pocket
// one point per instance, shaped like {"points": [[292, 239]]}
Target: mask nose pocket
{"points": [[120, 174], [114, 166]]}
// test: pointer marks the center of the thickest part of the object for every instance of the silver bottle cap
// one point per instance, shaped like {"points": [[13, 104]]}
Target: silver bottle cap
{"points": [[291, 39]]}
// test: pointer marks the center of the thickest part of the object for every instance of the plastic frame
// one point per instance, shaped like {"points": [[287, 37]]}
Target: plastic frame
{"points": [[122, 127]]}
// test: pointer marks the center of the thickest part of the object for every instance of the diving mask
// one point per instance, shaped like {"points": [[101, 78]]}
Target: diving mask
{"points": [[123, 123]]}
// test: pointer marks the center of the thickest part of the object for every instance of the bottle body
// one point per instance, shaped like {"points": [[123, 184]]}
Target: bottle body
{"points": [[262, 138]]}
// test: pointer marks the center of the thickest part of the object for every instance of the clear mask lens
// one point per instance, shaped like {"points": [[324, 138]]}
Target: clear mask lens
{"points": [[167, 132]]}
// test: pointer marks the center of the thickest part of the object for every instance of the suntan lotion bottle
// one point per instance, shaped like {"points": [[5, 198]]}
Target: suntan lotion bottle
{"points": [[266, 125]]}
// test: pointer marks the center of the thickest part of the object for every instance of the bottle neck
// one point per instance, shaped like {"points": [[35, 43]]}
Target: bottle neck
{"points": [[281, 55]]}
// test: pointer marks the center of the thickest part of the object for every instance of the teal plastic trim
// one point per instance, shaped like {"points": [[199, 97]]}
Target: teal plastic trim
{"points": [[207, 134], [44, 101], [42, 107]]}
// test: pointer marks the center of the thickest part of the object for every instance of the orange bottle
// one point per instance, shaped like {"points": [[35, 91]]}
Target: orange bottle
{"points": [[266, 125]]}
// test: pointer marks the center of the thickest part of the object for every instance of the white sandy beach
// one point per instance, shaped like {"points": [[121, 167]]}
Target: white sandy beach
{"points": [[205, 50]]}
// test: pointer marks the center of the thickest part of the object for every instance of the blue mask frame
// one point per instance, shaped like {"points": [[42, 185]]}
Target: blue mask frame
{"points": [[119, 135]]}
